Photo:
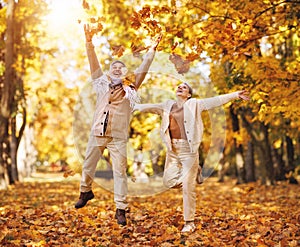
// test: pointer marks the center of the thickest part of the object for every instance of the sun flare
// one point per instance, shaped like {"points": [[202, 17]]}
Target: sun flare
{"points": [[64, 15]]}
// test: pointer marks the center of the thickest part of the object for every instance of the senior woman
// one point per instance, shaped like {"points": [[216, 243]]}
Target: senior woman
{"points": [[181, 131]]}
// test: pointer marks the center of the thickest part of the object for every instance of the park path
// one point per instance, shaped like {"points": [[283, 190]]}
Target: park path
{"points": [[40, 212]]}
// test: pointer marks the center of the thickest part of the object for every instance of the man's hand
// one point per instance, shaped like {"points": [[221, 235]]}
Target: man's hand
{"points": [[244, 95], [89, 33]]}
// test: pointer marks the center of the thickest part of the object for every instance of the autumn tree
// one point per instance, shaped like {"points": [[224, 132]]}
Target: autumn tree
{"points": [[249, 44], [21, 51]]}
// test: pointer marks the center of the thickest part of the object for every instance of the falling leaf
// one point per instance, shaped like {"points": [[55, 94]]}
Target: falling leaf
{"points": [[182, 66], [135, 20], [99, 27], [145, 12], [93, 20], [85, 5], [137, 49], [69, 173], [192, 56], [118, 50], [174, 46]]}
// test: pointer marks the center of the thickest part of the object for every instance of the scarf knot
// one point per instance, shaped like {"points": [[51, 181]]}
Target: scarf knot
{"points": [[103, 83]]}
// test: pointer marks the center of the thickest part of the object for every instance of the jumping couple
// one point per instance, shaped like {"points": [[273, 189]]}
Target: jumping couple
{"points": [[181, 131]]}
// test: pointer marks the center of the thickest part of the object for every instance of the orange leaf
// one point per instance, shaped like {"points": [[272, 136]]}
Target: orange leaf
{"points": [[137, 49], [85, 4], [135, 20], [174, 46], [93, 20], [99, 27], [69, 173], [192, 56], [145, 12], [182, 66], [118, 50]]}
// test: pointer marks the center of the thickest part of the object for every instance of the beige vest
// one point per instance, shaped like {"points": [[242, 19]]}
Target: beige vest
{"points": [[113, 108]]}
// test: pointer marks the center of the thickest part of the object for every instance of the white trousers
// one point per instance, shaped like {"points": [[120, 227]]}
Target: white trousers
{"points": [[117, 151], [181, 170]]}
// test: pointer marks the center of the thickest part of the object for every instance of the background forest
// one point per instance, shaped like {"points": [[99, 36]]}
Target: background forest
{"points": [[217, 46]]}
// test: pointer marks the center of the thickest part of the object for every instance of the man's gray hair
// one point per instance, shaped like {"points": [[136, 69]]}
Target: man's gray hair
{"points": [[117, 61]]}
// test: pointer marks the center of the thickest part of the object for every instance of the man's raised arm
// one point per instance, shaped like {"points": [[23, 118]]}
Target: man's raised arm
{"points": [[141, 72], [95, 67]]}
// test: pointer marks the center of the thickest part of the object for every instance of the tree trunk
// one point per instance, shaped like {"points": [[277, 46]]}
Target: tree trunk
{"points": [[7, 95], [260, 138], [291, 160], [26, 153], [249, 163], [279, 166], [266, 156], [13, 151], [8, 87], [290, 153], [221, 169], [4, 178], [240, 169]]}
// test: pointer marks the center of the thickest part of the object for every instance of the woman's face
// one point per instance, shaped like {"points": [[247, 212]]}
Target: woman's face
{"points": [[182, 91]]}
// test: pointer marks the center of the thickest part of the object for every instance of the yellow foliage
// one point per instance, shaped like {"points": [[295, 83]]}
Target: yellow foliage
{"points": [[277, 143], [251, 45]]}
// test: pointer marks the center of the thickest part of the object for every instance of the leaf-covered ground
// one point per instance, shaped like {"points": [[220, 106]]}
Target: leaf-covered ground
{"points": [[42, 214]]}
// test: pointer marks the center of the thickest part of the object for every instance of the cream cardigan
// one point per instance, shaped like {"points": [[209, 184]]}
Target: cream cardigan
{"points": [[192, 109]]}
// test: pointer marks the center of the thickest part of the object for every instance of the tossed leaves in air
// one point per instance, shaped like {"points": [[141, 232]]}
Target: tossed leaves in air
{"points": [[135, 20], [96, 24], [69, 172], [145, 12], [99, 27], [144, 19], [182, 66], [118, 50], [136, 49], [174, 46], [192, 56], [85, 4]]}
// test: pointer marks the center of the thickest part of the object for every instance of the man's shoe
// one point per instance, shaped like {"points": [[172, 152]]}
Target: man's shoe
{"points": [[84, 198], [188, 227], [120, 216]]}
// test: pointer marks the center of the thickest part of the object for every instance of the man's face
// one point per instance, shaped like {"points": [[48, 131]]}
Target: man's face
{"points": [[183, 91], [118, 70]]}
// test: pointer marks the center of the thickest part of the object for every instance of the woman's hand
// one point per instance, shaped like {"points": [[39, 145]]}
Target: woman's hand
{"points": [[244, 94]]}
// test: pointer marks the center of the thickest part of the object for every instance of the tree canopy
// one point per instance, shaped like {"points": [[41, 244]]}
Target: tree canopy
{"points": [[217, 46]]}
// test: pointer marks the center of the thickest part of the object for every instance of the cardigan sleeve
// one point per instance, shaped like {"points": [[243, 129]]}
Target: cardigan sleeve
{"points": [[209, 103], [151, 108]]}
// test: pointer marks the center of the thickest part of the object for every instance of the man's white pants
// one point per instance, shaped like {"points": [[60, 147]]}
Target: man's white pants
{"points": [[181, 170], [117, 151]]}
